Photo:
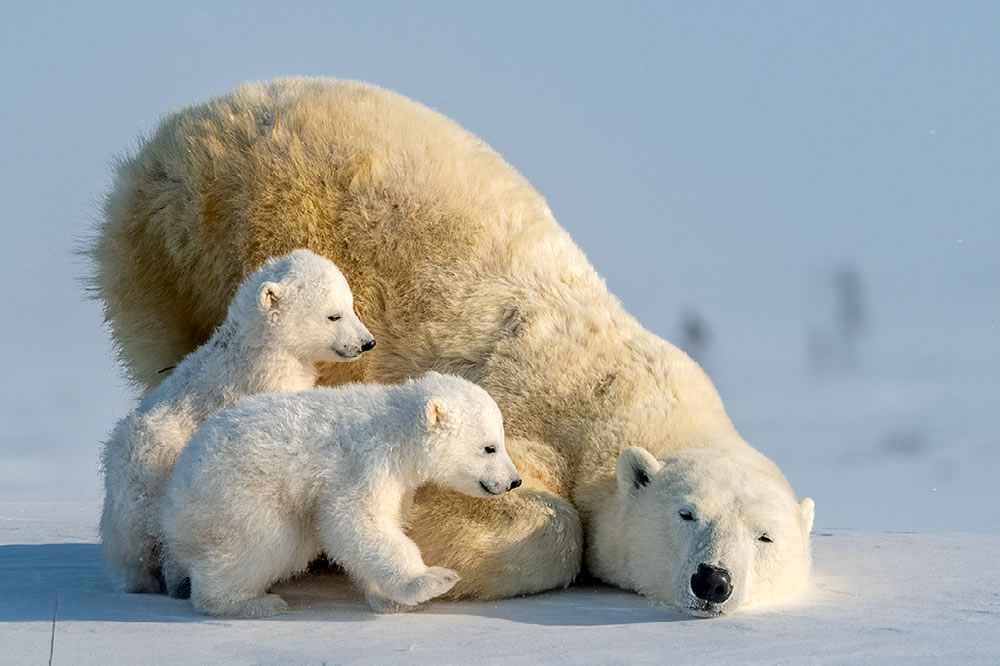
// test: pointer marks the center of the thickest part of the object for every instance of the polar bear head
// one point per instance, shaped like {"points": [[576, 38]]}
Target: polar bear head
{"points": [[303, 303], [708, 533], [465, 439]]}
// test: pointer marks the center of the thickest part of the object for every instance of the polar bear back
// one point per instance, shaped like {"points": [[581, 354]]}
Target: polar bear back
{"points": [[326, 422]]}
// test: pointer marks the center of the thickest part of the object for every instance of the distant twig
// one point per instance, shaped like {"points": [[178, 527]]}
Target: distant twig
{"points": [[52, 641]]}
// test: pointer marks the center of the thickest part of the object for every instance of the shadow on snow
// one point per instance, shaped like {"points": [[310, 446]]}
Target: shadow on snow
{"points": [[32, 576]]}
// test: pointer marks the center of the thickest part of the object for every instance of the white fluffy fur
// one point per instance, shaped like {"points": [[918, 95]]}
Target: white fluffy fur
{"points": [[703, 508], [277, 328], [268, 484]]}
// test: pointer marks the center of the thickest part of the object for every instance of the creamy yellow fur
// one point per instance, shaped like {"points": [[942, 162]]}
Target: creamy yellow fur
{"points": [[456, 264]]}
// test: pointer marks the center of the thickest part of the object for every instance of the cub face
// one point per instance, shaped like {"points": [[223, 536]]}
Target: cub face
{"points": [[708, 534], [466, 427], [311, 310]]}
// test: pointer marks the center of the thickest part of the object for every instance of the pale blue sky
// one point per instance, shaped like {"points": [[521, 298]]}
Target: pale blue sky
{"points": [[718, 155]]}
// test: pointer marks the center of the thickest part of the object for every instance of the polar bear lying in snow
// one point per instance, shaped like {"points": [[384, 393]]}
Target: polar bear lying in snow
{"points": [[294, 311], [703, 531], [267, 485]]}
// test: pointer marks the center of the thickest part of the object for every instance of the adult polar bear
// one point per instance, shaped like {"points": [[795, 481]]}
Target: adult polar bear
{"points": [[457, 265]]}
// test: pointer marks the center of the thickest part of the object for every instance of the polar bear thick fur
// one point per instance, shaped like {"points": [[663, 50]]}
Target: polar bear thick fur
{"points": [[457, 265], [293, 312], [266, 486]]}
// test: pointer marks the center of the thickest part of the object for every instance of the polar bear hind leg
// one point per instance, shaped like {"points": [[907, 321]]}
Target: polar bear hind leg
{"points": [[233, 580], [215, 602]]}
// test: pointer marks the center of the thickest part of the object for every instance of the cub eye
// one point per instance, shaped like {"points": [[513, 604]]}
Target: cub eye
{"points": [[765, 539], [334, 317], [686, 515], [490, 449]]}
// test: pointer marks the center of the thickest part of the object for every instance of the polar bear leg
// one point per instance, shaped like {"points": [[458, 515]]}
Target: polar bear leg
{"points": [[175, 578], [213, 599], [260, 550], [237, 589], [126, 545], [527, 541], [128, 550], [128, 553], [141, 579], [385, 561]]}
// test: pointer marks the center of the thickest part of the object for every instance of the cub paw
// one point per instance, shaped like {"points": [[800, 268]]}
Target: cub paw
{"points": [[268, 605], [383, 604], [263, 606], [432, 583]]}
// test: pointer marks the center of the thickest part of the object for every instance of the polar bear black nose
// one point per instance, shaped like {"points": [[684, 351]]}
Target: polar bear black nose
{"points": [[516, 483], [711, 584], [368, 345]]}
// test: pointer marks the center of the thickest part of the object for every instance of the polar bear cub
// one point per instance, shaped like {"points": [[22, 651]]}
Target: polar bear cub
{"points": [[294, 311], [266, 486]]}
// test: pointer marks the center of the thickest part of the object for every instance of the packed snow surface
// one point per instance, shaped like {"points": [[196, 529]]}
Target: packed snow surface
{"points": [[874, 595]]}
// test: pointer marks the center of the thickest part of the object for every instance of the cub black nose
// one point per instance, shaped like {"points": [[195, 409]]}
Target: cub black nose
{"points": [[515, 484], [368, 345], [711, 584]]}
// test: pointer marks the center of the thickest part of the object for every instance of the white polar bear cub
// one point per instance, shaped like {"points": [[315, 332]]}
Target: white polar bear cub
{"points": [[266, 486], [294, 311]]}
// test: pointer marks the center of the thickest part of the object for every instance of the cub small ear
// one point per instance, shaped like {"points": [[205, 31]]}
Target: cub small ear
{"points": [[808, 509], [636, 466], [435, 411], [268, 295]]}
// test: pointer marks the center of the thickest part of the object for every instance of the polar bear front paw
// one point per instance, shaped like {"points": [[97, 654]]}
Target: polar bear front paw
{"points": [[266, 606], [432, 583], [263, 606], [382, 604]]}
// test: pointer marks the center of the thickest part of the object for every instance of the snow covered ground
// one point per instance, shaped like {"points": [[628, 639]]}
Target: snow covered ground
{"points": [[874, 596]]}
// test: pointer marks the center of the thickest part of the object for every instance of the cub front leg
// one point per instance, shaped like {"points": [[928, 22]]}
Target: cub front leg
{"points": [[527, 541], [385, 562]]}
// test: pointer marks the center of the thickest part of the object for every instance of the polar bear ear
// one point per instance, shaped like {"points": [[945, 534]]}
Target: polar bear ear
{"points": [[435, 411], [268, 295], [808, 509], [636, 466]]}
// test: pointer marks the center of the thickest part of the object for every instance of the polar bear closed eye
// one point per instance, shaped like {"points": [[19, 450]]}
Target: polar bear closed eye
{"points": [[704, 532], [292, 312]]}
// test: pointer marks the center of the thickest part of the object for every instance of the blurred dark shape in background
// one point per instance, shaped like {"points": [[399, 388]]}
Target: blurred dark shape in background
{"points": [[695, 336], [850, 304], [834, 346]]}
